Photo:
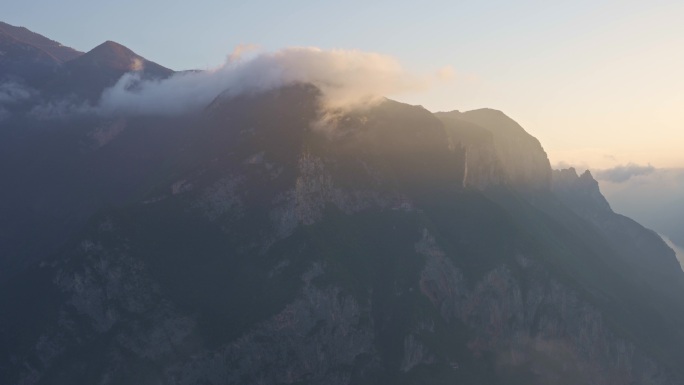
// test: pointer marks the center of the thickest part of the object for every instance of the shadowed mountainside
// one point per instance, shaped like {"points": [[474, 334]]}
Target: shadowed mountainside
{"points": [[256, 242]]}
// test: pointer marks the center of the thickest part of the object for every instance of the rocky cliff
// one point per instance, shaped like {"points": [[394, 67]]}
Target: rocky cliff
{"points": [[500, 150], [265, 241], [270, 250]]}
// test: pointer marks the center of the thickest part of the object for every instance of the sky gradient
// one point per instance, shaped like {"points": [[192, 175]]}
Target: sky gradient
{"points": [[599, 83]]}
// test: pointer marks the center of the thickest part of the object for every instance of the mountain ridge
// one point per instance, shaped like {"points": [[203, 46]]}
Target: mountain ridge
{"points": [[55, 49], [112, 55], [253, 242]]}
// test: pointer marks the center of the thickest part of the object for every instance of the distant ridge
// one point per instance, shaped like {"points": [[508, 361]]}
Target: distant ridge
{"points": [[101, 67], [114, 56], [55, 49]]}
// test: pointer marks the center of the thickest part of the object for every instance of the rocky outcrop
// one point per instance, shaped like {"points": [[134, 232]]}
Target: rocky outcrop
{"points": [[582, 191], [113, 303], [259, 250], [313, 340], [482, 168], [533, 321], [312, 191], [110, 301], [219, 199]]}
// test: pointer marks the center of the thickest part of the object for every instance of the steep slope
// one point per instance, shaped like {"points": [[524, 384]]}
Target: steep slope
{"points": [[267, 247], [56, 50], [63, 171], [54, 80], [29, 59], [89, 74], [23, 62], [483, 166], [638, 247]]}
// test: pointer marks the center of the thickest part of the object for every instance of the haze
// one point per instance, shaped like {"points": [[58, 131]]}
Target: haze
{"points": [[277, 216]]}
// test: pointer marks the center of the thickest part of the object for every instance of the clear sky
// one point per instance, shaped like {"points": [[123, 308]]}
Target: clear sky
{"points": [[600, 83]]}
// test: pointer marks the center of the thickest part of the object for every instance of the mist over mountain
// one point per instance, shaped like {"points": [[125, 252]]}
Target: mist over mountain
{"points": [[655, 199], [278, 221]]}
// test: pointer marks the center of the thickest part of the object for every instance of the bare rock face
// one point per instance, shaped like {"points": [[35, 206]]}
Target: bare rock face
{"points": [[220, 199], [415, 353], [536, 323], [313, 189], [521, 154], [255, 249], [482, 168], [499, 150], [583, 190], [312, 339], [104, 289]]}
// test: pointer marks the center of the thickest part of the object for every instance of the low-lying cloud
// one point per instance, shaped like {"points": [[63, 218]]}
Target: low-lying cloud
{"points": [[347, 78], [12, 92], [622, 174], [63, 109]]}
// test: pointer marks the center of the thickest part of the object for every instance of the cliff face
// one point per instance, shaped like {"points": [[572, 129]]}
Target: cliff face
{"points": [[581, 192], [530, 320], [263, 246], [502, 149], [512, 324]]}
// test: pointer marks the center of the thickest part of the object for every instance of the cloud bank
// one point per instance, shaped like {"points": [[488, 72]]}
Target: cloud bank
{"points": [[622, 174], [347, 78]]}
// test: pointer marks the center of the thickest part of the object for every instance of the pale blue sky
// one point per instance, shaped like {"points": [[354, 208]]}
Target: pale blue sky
{"points": [[598, 82]]}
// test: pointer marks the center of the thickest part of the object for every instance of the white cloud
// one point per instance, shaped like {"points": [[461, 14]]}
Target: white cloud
{"points": [[11, 92], [347, 78]]}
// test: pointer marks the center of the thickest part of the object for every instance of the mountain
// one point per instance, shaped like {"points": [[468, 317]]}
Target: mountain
{"points": [[89, 74], [254, 242], [34, 62], [27, 57], [522, 160], [19, 61], [58, 51]]}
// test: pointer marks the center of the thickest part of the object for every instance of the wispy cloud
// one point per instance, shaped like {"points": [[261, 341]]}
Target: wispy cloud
{"points": [[12, 92], [62, 109], [564, 165], [622, 174]]}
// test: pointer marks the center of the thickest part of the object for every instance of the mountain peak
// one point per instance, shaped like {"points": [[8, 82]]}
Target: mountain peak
{"points": [[493, 120], [113, 55], [101, 67], [586, 175], [582, 190]]}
